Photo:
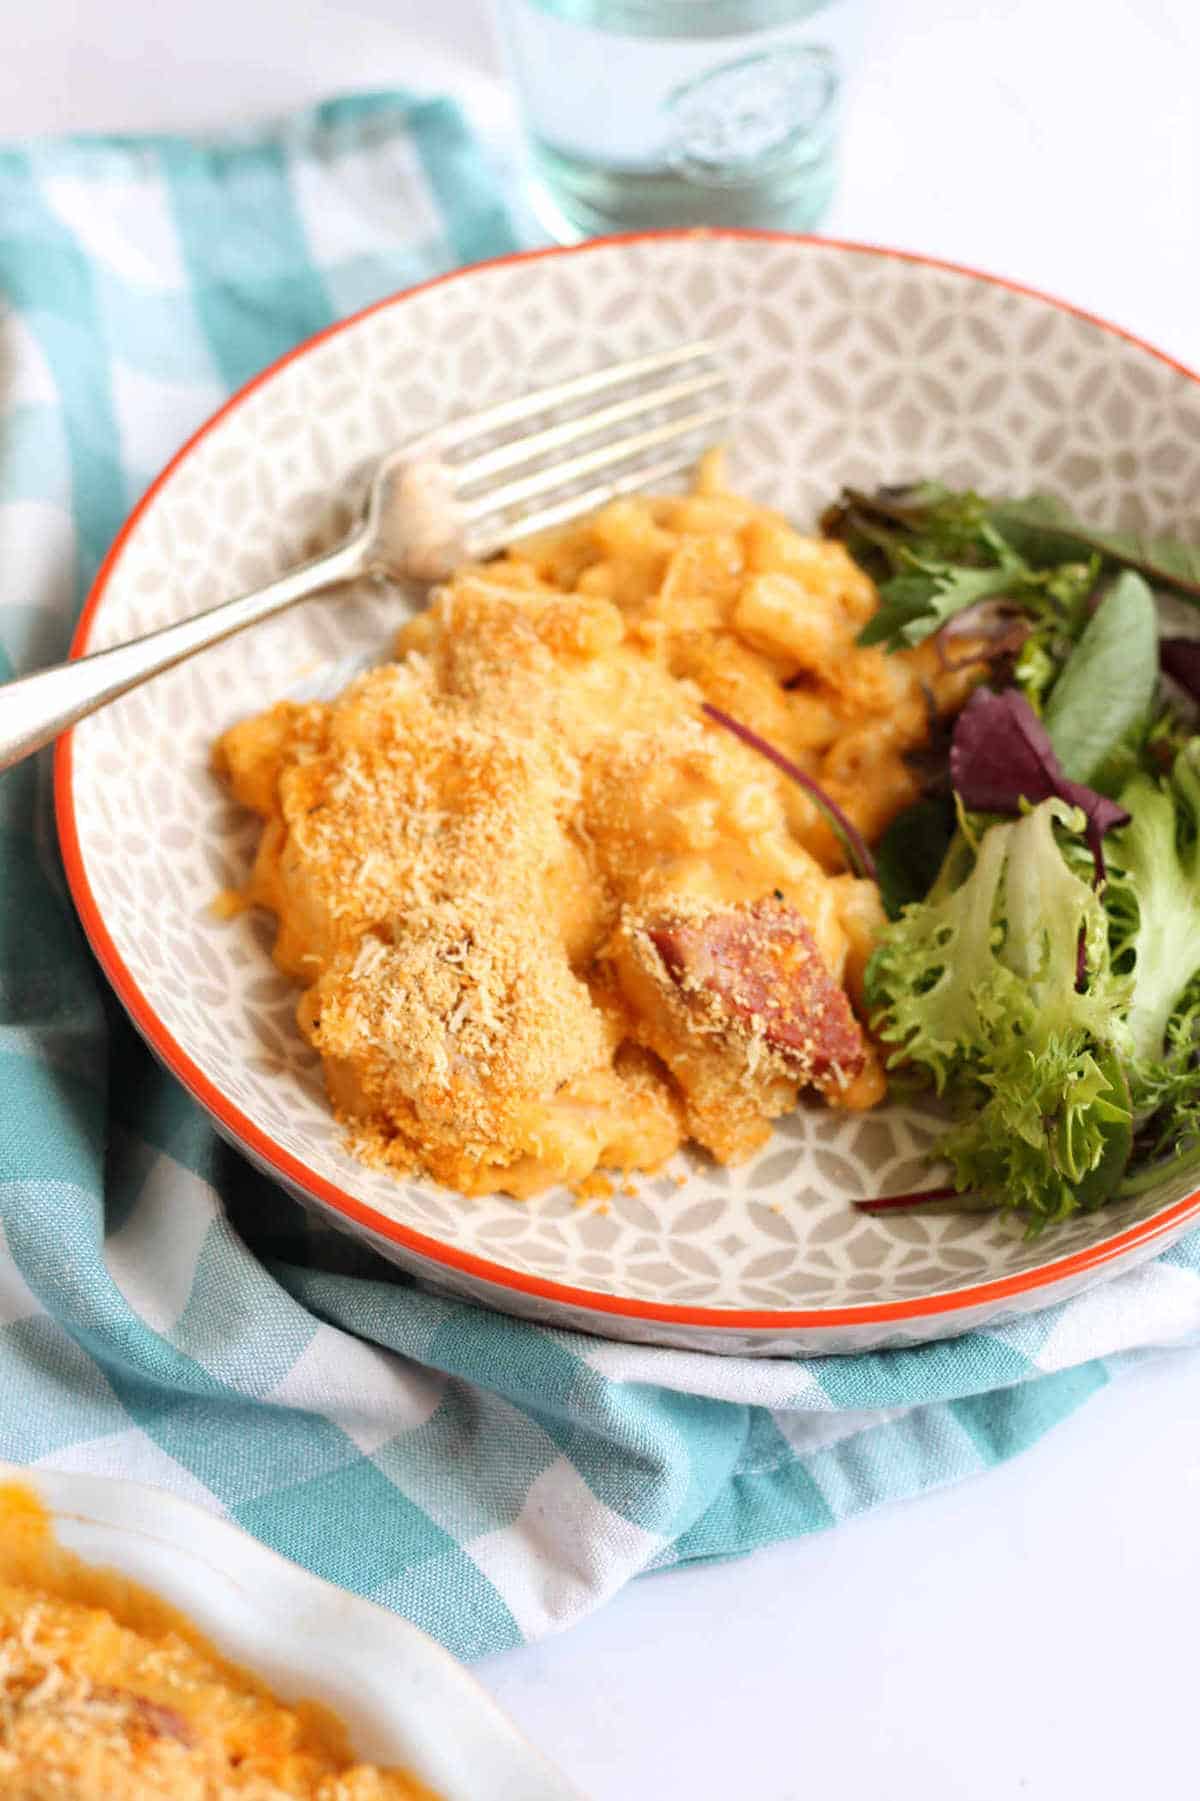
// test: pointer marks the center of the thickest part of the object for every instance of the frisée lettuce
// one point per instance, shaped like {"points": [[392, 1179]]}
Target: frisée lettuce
{"points": [[1000, 987]]}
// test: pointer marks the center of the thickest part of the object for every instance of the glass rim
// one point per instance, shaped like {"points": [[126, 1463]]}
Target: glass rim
{"points": [[680, 18]]}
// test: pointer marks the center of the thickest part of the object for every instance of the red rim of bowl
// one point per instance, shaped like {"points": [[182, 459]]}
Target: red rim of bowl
{"points": [[292, 1170]]}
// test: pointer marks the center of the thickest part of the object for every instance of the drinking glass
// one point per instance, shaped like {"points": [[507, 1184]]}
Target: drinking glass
{"points": [[643, 113]]}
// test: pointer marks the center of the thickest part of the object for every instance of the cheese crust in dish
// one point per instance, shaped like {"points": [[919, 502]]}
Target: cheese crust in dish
{"points": [[548, 918], [107, 1694]]}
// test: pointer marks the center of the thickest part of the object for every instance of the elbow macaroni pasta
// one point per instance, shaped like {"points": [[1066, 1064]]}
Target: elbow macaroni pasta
{"points": [[465, 850]]}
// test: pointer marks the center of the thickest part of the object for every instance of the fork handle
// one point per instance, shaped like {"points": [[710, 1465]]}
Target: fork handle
{"points": [[36, 708]]}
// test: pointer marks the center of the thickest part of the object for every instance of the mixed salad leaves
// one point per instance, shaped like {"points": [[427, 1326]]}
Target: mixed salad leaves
{"points": [[1041, 968]]}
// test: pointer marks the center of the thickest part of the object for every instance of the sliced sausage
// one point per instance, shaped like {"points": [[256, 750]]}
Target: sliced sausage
{"points": [[154, 1717], [760, 966]]}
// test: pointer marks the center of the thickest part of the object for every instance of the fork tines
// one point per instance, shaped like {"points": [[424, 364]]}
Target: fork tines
{"points": [[655, 413]]}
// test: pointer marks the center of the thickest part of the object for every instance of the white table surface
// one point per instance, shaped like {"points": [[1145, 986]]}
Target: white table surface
{"points": [[1029, 1634]]}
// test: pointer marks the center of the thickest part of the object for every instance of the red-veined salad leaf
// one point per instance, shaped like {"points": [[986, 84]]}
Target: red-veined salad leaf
{"points": [[1001, 755], [1180, 659], [1044, 530], [847, 833]]}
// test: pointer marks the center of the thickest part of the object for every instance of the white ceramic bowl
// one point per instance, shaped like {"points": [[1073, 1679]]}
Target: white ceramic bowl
{"points": [[852, 365], [404, 1699]]}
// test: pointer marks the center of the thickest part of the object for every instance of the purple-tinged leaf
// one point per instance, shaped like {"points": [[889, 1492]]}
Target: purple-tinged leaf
{"points": [[905, 1203], [1002, 755], [1180, 658], [851, 839], [1102, 816]]}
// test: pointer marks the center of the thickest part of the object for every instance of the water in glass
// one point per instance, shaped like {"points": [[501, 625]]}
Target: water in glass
{"points": [[677, 112]]}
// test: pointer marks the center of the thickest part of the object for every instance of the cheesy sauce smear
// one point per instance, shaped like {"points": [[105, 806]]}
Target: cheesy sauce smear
{"points": [[109, 1694], [536, 900]]}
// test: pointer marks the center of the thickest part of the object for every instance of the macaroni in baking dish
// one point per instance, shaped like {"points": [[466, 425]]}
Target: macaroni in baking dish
{"points": [[549, 919], [108, 1694]]}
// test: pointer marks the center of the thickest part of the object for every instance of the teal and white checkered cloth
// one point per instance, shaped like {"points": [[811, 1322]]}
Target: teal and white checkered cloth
{"points": [[167, 1314]]}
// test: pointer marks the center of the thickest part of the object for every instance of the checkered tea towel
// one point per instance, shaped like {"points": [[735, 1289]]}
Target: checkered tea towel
{"points": [[165, 1312]]}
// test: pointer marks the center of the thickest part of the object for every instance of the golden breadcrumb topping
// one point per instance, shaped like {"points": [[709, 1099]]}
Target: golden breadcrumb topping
{"points": [[473, 853], [124, 1702]]}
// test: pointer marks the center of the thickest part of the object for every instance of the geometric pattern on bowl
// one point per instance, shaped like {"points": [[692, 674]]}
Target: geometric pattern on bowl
{"points": [[850, 365]]}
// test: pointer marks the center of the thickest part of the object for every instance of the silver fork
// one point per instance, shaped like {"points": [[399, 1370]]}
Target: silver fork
{"points": [[433, 504]]}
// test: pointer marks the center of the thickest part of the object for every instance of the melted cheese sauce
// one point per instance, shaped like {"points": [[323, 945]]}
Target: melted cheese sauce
{"points": [[109, 1694], [462, 850]]}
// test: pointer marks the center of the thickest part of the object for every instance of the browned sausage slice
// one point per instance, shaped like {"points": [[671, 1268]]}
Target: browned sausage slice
{"points": [[155, 1719], [761, 966]]}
